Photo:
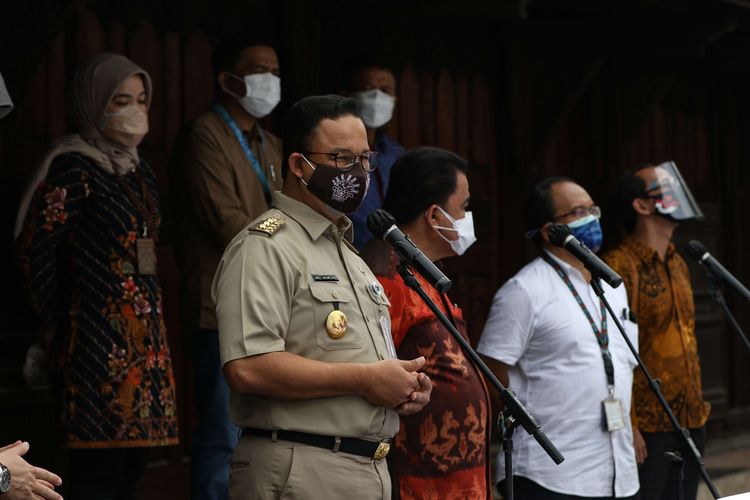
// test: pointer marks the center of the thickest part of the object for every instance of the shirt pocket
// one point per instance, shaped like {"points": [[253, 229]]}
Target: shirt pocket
{"points": [[328, 297]]}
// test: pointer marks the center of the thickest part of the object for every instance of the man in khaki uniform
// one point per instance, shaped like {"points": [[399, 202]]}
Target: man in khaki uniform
{"points": [[223, 170], [305, 330]]}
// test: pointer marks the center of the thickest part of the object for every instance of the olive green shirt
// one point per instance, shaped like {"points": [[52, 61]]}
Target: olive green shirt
{"points": [[274, 290]]}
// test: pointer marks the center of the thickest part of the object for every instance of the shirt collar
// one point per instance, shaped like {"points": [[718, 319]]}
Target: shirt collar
{"points": [[644, 251], [569, 269], [256, 133], [314, 223]]}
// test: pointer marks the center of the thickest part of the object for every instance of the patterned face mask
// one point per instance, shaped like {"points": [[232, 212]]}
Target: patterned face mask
{"points": [[342, 191], [588, 231]]}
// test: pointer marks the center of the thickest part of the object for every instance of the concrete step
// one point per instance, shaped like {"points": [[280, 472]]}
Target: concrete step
{"points": [[728, 464]]}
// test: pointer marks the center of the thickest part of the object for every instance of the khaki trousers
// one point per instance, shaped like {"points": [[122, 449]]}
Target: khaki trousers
{"points": [[262, 469]]}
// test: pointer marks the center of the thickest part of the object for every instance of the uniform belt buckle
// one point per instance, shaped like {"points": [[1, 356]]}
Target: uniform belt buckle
{"points": [[382, 451]]}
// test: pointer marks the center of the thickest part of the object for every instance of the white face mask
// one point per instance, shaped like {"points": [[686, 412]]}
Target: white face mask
{"points": [[262, 93], [465, 229], [377, 107]]}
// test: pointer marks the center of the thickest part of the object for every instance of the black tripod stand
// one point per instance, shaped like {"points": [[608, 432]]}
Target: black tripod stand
{"points": [[515, 413]]}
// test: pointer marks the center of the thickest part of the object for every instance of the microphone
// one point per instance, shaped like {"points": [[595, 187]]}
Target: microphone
{"points": [[383, 225], [698, 252], [560, 235]]}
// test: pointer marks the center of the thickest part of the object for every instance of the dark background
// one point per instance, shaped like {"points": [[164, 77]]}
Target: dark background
{"points": [[523, 89]]}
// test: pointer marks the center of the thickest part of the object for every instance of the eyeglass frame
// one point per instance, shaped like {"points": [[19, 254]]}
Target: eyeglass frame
{"points": [[594, 210], [357, 159]]}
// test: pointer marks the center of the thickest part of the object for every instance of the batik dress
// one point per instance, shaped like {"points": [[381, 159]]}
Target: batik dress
{"points": [[78, 260]]}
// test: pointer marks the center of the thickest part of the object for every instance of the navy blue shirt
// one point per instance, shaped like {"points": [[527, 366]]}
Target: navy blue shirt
{"points": [[388, 152]]}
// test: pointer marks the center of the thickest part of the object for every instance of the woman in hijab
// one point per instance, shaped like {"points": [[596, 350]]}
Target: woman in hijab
{"points": [[85, 239]]}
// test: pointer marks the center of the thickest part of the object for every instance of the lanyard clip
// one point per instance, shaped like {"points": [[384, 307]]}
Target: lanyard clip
{"points": [[611, 389], [144, 233]]}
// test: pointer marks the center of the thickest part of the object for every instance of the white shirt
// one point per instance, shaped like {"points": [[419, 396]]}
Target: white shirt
{"points": [[536, 326]]}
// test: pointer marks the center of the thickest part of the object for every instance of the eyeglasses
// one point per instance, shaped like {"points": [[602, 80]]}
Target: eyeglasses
{"points": [[583, 212], [345, 161]]}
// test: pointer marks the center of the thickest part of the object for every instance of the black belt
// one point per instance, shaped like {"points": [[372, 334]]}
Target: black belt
{"points": [[370, 449]]}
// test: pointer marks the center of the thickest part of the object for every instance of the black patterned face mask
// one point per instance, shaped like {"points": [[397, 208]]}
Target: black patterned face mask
{"points": [[342, 191]]}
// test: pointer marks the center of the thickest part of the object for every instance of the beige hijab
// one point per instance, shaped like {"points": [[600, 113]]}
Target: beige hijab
{"points": [[94, 86]]}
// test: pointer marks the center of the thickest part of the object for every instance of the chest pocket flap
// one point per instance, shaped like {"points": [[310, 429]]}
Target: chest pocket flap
{"points": [[327, 298], [330, 292]]}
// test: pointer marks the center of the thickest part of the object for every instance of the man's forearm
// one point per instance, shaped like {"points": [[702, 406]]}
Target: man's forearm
{"points": [[285, 375]]}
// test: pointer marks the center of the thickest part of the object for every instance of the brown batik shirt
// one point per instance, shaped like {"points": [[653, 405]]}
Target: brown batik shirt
{"points": [[660, 295]]}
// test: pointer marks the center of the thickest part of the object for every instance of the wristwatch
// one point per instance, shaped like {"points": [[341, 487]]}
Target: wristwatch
{"points": [[4, 479]]}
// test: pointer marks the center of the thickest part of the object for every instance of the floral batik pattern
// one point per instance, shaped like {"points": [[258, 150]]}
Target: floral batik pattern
{"points": [[660, 295], [78, 257]]}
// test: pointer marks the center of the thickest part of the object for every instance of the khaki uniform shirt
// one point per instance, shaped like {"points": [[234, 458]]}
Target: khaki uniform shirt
{"points": [[216, 193], [274, 290]]}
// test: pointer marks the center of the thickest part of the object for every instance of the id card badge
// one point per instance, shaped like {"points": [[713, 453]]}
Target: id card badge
{"points": [[613, 415], [385, 325], [146, 252]]}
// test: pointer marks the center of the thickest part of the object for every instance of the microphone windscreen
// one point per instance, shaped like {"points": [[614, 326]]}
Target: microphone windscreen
{"points": [[379, 221], [696, 249], [557, 234]]}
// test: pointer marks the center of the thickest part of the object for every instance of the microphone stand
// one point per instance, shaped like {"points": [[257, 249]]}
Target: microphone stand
{"points": [[654, 384], [515, 413], [714, 288]]}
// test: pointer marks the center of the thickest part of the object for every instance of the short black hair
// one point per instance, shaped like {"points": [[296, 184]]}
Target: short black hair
{"points": [[361, 61], [538, 206], [629, 187], [227, 52], [305, 115], [420, 178]]}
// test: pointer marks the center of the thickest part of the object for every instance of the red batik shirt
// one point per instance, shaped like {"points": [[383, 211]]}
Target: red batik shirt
{"points": [[441, 451]]}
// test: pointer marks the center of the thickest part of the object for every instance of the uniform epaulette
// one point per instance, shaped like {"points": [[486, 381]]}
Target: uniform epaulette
{"points": [[269, 225]]}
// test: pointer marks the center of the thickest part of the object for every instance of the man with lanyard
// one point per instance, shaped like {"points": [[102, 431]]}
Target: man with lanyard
{"points": [[549, 338], [223, 171], [651, 202], [373, 85]]}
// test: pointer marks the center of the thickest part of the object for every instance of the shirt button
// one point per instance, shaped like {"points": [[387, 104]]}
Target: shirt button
{"points": [[335, 295], [361, 268]]}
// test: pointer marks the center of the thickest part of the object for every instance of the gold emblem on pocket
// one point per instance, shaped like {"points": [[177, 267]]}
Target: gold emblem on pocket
{"points": [[336, 324]]}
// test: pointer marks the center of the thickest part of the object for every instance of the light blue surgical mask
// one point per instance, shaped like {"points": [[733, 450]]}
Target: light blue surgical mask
{"points": [[588, 231]]}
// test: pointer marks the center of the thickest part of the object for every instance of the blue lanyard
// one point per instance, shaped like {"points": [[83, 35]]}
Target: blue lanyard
{"points": [[224, 114]]}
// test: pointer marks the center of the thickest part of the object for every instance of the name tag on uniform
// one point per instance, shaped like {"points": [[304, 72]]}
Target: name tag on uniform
{"points": [[613, 414], [325, 277]]}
